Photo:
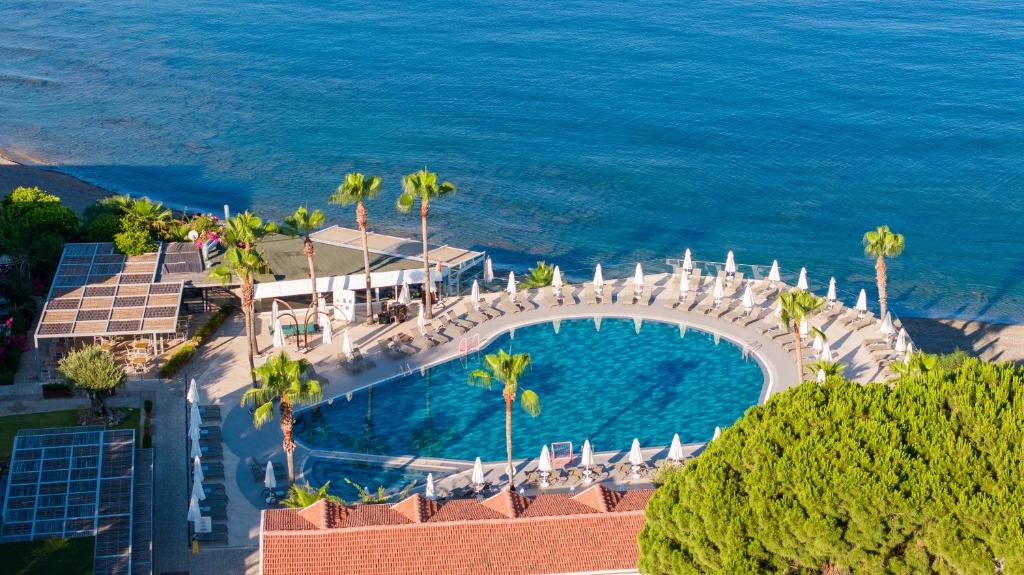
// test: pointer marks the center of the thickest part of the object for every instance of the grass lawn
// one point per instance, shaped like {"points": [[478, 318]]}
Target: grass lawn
{"points": [[53, 556], [9, 425]]}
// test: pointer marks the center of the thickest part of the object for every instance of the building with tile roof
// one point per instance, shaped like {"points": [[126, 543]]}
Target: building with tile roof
{"points": [[506, 534]]}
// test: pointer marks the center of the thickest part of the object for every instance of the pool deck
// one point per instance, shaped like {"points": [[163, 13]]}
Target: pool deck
{"points": [[220, 368]]}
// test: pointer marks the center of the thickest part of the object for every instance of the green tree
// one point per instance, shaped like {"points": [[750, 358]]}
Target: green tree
{"points": [[831, 368], [34, 226], [422, 185], [797, 305], [134, 242], [358, 189], [145, 214], [302, 496], [302, 223], [506, 369], [95, 371], [288, 382], [882, 243], [919, 475], [538, 277]]}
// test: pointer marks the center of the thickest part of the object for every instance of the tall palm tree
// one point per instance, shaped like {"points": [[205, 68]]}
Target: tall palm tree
{"points": [[882, 243], [423, 185], [797, 305], [302, 223], [506, 369], [288, 382], [148, 215], [359, 189]]}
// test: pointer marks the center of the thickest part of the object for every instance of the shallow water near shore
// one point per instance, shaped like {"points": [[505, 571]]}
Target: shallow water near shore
{"points": [[578, 133]]}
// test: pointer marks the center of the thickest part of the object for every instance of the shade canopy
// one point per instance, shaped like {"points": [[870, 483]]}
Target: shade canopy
{"points": [[730, 263], [773, 274], [269, 479], [636, 457], [862, 301], [544, 465], [748, 297], [587, 457], [478, 472], [675, 450], [831, 297], [801, 282], [687, 260]]}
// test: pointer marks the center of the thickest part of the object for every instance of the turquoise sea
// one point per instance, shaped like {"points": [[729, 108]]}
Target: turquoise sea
{"points": [[578, 132]]}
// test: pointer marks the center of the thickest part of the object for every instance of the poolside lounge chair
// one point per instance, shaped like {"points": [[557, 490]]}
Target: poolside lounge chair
{"points": [[214, 508], [210, 432], [645, 296], [218, 535], [506, 305], [388, 349], [472, 315], [568, 294], [452, 322], [213, 470], [735, 284], [589, 298], [672, 299], [212, 451], [209, 412], [215, 492]]}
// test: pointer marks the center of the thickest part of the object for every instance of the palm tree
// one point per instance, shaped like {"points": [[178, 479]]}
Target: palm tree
{"points": [[359, 189], [289, 382], [797, 305], [538, 277], [148, 215], [506, 369], [302, 496], [882, 243], [423, 185], [831, 368], [302, 223]]}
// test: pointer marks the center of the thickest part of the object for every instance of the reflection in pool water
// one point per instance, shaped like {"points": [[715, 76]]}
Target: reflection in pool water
{"points": [[608, 385]]}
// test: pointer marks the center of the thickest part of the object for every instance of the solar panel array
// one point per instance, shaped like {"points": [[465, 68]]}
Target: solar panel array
{"points": [[97, 291], [73, 482]]}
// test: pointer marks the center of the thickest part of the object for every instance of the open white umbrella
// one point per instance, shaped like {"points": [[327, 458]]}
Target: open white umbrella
{"points": [[748, 298], [675, 450], [488, 270], [405, 296], [886, 327], [587, 457], [719, 292], [478, 472], [821, 376], [801, 282], [193, 508], [831, 297], [430, 492], [279, 342], [269, 479], [717, 434], [638, 279], [862, 301], [193, 429], [474, 295], [197, 489], [730, 263], [901, 341], [511, 287], [773, 274], [197, 469], [556, 280], [193, 392], [598, 279], [346, 343], [196, 450], [687, 261], [805, 328], [826, 352], [819, 341]]}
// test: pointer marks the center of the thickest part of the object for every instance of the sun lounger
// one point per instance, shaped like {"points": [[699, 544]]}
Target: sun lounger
{"points": [[834, 309], [645, 297], [213, 507], [695, 278], [213, 470], [568, 294], [861, 324], [506, 305], [209, 412], [210, 432], [215, 492], [388, 350], [218, 535], [734, 285], [589, 298], [472, 314]]}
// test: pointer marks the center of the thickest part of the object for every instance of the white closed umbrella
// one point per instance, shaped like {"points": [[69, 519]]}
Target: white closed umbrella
{"points": [[196, 450], [511, 287], [826, 352], [197, 489], [684, 286], [730, 263], [405, 296], [805, 328], [269, 479], [801, 282], [831, 297], [193, 413], [193, 429], [598, 279], [474, 295], [544, 465], [636, 457], [279, 342], [193, 508], [675, 450], [910, 352], [821, 376], [887, 328], [862, 301], [430, 492], [748, 298], [478, 472], [901, 341], [488, 270], [638, 279], [687, 261], [556, 280], [346, 343], [719, 291], [717, 434], [193, 392], [273, 310], [197, 469], [819, 341], [587, 457], [773, 274]]}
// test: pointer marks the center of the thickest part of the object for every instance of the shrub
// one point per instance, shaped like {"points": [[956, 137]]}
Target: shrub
{"points": [[147, 406], [103, 228], [179, 358], [94, 370], [920, 476], [34, 225], [134, 242], [207, 330]]}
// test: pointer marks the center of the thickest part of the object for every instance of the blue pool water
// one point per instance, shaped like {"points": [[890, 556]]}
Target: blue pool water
{"points": [[369, 477], [608, 386], [578, 131]]}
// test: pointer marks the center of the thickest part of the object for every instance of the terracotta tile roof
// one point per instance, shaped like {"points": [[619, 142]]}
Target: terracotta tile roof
{"points": [[507, 534]]}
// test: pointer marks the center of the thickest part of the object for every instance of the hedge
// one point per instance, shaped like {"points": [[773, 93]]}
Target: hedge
{"points": [[187, 349]]}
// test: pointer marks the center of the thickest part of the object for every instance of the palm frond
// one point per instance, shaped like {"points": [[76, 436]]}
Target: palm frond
{"points": [[530, 402]]}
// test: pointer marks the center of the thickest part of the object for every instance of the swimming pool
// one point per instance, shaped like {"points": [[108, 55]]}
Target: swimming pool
{"points": [[608, 385]]}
